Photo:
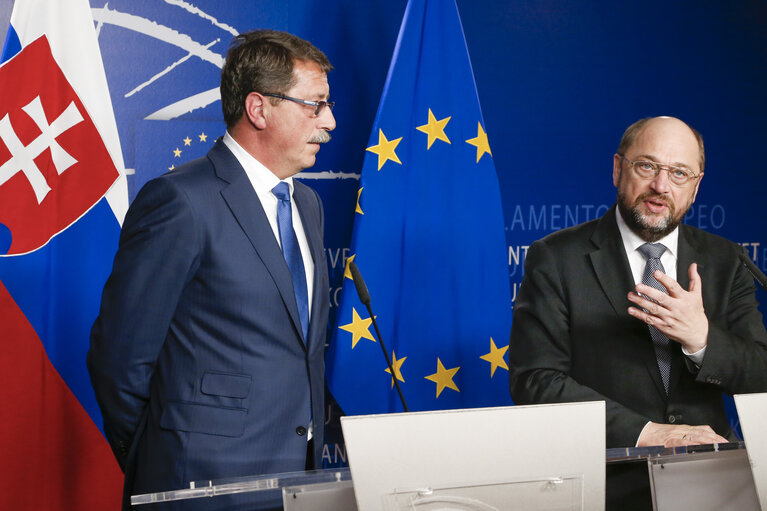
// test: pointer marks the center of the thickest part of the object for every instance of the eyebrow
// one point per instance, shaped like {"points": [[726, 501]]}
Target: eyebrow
{"points": [[655, 160]]}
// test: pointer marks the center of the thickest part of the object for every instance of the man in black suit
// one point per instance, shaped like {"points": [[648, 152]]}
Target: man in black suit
{"points": [[583, 321]]}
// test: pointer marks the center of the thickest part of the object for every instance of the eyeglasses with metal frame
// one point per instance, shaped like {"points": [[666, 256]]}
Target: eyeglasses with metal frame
{"points": [[318, 105], [645, 169]]}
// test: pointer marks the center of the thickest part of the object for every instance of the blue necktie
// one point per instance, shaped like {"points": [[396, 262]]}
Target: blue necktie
{"points": [[653, 251], [292, 253]]}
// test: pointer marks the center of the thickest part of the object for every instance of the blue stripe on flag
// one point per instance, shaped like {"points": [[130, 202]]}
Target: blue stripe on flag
{"points": [[12, 44], [70, 273]]}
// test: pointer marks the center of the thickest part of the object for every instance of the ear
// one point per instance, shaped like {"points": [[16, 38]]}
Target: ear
{"points": [[616, 170], [256, 108], [697, 185]]}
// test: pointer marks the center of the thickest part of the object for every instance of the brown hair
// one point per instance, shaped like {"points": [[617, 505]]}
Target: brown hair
{"points": [[262, 61]]}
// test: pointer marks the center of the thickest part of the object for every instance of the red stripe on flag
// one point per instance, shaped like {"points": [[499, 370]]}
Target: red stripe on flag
{"points": [[54, 456]]}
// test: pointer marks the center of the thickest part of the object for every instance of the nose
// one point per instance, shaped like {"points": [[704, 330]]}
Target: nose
{"points": [[660, 183], [327, 120]]}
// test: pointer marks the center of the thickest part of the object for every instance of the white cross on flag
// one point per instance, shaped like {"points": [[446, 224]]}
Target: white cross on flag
{"points": [[53, 163]]}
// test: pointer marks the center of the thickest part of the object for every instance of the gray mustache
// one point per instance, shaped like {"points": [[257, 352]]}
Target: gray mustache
{"points": [[323, 137]]}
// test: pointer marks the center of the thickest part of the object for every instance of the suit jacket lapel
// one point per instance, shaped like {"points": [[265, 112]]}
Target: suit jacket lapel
{"points": [[613, 271], [250, 215], [610, 263], [689, 252]]}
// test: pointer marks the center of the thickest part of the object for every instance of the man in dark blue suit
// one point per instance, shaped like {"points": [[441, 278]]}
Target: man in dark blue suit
{"points": [[208, 354]]}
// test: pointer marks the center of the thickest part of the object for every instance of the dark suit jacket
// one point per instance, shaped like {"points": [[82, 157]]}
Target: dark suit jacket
{"points": [[197, 357], [572, 339]]}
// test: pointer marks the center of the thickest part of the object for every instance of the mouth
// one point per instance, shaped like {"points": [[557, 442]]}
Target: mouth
{"points": [[655, 204]]}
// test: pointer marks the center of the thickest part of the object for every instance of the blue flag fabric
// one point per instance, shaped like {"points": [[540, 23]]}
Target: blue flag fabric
{"points": [[428, 238]]}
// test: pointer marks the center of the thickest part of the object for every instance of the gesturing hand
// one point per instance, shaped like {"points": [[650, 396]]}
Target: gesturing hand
{"points": [[679, 315]]}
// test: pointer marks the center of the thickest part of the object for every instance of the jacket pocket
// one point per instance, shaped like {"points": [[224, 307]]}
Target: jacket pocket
{"points": [[225, 384], [197, 418]]}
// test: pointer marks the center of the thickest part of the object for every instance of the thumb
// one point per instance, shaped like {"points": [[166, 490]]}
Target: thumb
{"points": [[695, 281]]}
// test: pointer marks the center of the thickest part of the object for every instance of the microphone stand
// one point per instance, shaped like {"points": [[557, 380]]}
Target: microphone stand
{"points": [[753, 269], [362, 292]]}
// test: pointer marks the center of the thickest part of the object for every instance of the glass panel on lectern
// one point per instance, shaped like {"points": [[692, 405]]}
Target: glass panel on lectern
{"points": [[549, 494]]}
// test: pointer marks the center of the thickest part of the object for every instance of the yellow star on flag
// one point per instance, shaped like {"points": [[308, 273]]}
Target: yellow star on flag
{"points": [[359, 328], [496, 357], [397, 366], [443, 377], [177, 153], [347, 271], [480, 142], [171, 167], [358, 208], [203, 137], [385, 149], [187, 141], [435, 129]]}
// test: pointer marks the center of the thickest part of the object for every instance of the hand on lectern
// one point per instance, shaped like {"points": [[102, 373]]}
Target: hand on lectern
{"points": [[674, 435]]}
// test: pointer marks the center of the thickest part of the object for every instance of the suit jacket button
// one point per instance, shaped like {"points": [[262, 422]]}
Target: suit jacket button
{"points": [[671, 419], [300, 431]]}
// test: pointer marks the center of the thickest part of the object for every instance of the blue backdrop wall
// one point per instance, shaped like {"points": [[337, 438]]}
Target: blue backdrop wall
{"points": [[558, 82]]}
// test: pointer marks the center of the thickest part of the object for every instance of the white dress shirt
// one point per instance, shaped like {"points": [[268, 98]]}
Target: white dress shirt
{"points": [[263, 180]]}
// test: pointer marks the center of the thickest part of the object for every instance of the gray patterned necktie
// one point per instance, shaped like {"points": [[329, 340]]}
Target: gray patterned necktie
{"points": [[653, 251]]}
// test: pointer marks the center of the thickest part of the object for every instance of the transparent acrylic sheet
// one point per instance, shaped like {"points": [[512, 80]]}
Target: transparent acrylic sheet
{"points": [[703, 481], [546, 494], [261, 483], [752, 411], [620, 454], [335, 496]]}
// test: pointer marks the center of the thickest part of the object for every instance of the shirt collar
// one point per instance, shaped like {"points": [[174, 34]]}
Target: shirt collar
{"points": [[262, 179], [631, 241]]}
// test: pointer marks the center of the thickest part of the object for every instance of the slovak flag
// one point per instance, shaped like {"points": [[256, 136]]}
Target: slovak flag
{"points": [[63, 196]]}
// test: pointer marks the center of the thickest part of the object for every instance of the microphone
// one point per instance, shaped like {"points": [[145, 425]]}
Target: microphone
{"points": [[753, 269], [362, 292], [362, 289]]}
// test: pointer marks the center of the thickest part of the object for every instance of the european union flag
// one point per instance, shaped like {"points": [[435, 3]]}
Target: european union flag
{"points": [[428, 238]]}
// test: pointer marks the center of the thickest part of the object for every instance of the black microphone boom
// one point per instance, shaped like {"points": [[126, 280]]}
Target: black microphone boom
{"points": [[753, 269], [362, 291]]}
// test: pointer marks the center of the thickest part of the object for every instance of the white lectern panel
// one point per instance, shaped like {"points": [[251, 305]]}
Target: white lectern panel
{"points": [[752, 412], [485, 447]]}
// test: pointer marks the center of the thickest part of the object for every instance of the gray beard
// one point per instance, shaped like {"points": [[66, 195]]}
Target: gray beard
{"points": [[637, 223]]}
